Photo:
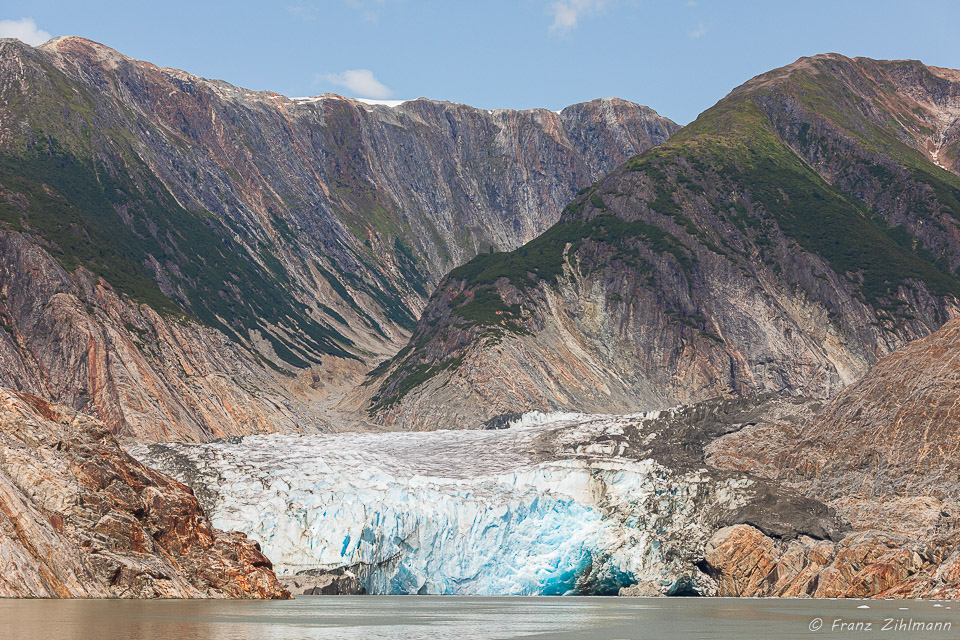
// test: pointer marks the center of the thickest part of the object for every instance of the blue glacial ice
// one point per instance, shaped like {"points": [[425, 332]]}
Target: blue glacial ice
{"points": [[545, 507]]}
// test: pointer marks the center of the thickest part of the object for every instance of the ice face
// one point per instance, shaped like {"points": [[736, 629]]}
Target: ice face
{"points": [[548, 508], [501, 536]]}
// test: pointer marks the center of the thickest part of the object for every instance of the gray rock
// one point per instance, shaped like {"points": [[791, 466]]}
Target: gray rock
{"points": [[306, 234], [318, 582]]}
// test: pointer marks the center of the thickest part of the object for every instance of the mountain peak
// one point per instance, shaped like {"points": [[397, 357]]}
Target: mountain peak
{"points": [[75, 46], [301, 235], [830, 166]]}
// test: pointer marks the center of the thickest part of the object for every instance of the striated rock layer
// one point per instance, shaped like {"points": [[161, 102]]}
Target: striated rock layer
{"points": [[283, 246], [872, 564], [799, 230], [883, 454], [70, 336], [898, 428], [883, 451], [81, 518]]}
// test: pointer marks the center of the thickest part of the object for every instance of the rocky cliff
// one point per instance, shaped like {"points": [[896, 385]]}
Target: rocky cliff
{"points": [[81, 518], [875, 564], [899, 428], [803, 227], [883, 454], [188, 259]]}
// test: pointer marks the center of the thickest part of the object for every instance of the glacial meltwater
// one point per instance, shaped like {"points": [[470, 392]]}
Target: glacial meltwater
{"points": [[473, 618]]}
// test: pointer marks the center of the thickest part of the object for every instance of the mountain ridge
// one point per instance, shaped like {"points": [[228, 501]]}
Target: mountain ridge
{"points": [[795, 232], [310, 235]]}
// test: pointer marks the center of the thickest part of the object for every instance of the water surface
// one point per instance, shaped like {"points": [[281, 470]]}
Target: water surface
{"points": [[467, 618]]}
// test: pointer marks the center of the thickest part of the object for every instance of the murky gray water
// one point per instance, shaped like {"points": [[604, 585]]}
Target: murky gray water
{"points": [[464, 618]]}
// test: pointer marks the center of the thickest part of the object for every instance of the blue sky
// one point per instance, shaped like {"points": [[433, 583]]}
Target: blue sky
{"points": [[677, 56]]}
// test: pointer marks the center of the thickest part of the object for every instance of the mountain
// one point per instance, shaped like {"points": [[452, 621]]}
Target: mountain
{"points": [[800, 229], [188, 259], [883, 454], [80, 518], [882, 451]]}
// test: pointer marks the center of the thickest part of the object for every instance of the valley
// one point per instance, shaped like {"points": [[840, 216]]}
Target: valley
{"points": [[256, 345]]}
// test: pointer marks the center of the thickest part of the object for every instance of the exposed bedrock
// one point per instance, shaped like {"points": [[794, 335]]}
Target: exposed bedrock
{"points": [[883, 455], [795, 233], [188, 260], [80, 518]]}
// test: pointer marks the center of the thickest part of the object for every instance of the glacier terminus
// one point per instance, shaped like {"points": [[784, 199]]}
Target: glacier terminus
{"points": [[553, 504]]}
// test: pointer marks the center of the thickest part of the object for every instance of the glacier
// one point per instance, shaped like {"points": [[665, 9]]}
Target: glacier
{"points": [[555, 504]]}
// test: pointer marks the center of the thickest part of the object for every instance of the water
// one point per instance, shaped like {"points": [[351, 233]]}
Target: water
{"points": [[463, 618]]}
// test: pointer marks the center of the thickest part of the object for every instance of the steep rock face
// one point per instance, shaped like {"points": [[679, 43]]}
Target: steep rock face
{"points": [[70, 336], [746, 563], [883, 452], [81, 518], [796, 232], [309, 232], [899, 426]]}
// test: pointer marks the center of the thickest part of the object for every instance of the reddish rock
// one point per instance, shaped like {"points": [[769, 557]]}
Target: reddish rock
{"points": [[883, 453], [365, 207], [949, 571], [831, 584], [742, 558], [891, 570], [81, 518], [742, 561]]}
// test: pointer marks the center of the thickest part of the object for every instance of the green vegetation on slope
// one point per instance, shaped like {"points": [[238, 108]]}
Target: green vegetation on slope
{"points": [[77, 206], [542, 259], [481, 306], [734, 142], [838, 228], [730, 165], [413, 377], [73, 208]]}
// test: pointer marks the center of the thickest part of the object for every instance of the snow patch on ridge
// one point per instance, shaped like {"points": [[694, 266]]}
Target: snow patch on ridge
{"points": [[386, 103], [367, 101]]}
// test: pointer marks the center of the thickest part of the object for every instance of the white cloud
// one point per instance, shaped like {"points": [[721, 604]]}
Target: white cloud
{"points": [[567, 13], [369, 9], [701, 30], [24, 30], [305, 11], [362, 82]]}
